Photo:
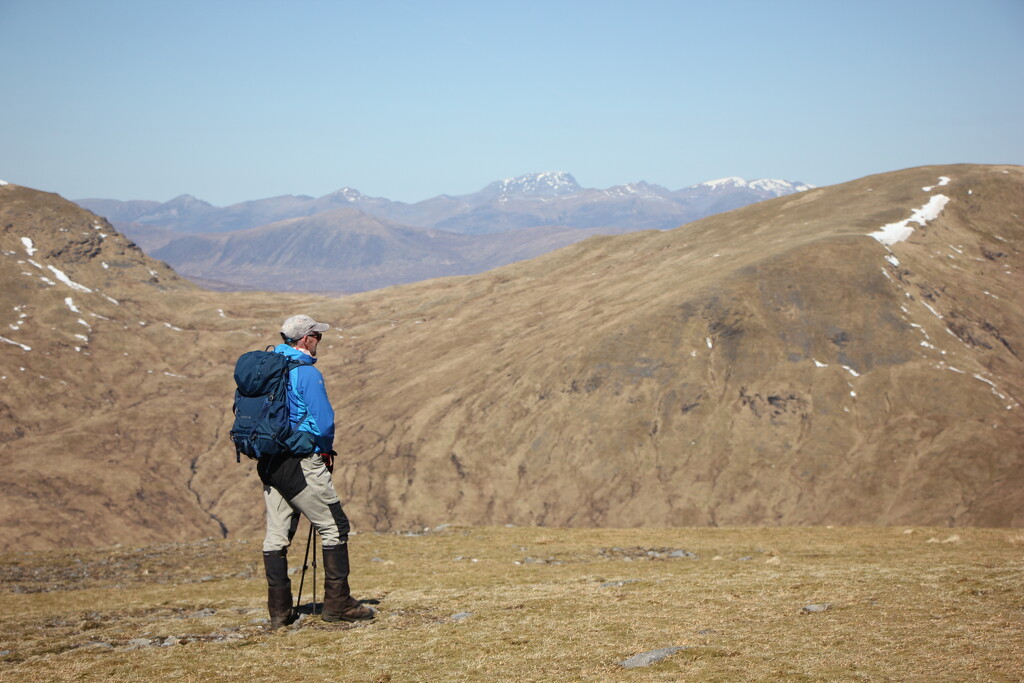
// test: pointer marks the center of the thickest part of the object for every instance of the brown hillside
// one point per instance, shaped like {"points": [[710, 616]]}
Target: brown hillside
{"points": [[772, 365]]}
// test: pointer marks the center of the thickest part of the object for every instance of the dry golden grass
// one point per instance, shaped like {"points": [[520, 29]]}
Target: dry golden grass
{"points": [[543, 604]]}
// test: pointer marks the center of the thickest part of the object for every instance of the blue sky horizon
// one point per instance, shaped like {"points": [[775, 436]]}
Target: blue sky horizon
{"points": [[232, 101]]}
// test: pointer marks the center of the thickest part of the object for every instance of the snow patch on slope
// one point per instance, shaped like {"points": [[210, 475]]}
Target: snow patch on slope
{"points": [[11, 341], [68, 281], [898, 232]]}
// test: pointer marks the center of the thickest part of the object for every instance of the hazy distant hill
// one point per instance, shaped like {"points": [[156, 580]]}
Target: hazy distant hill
{"points": [[319, 253], [345, 250], [546, 205], [788, 362]]}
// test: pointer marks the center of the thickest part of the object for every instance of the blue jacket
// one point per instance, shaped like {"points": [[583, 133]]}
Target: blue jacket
{"points": [[308, 406]]}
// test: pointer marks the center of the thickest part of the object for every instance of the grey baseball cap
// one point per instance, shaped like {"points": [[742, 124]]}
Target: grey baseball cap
{"points": [[298, 326]]}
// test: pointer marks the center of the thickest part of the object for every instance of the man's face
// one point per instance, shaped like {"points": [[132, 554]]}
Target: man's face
{"points": [[310, 342], [312, 339]]}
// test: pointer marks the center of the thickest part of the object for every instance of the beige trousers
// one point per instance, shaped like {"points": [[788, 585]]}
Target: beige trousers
{"points": [[318, 501]]}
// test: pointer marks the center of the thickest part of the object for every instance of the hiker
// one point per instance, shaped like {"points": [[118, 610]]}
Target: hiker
{"points": [[301, 482]]}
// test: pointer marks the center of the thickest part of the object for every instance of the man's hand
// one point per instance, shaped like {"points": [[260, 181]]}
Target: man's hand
{"points": [[329, 460]]}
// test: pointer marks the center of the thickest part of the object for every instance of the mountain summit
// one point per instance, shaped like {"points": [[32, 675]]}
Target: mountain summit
{"points": [[770, 187], [540, 185]]}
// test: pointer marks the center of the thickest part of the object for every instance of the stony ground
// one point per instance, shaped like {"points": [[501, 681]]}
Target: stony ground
{"points": [[537, 604]]}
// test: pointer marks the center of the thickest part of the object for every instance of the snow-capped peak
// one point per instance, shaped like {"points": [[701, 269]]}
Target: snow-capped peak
{"points": [[547, 184], [724, 182], [778, 188], [642, 189], [768, 186], [348, 194]]}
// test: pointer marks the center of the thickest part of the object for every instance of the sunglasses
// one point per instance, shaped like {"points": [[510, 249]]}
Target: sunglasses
{"points": [[318, 335]]}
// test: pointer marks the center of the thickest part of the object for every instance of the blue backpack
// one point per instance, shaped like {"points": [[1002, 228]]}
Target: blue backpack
{"points": [[262, 427]]}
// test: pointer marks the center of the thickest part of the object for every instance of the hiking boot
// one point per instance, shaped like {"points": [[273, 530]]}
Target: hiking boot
{"points": [[279, 589], [348, 609], [339, 605], [279, 603]]}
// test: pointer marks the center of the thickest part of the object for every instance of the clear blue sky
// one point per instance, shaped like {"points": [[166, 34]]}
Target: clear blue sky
{"points": [[228, 101]]}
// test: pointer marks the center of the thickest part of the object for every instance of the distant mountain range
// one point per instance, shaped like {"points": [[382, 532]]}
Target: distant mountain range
{"points": [[351, 242]]}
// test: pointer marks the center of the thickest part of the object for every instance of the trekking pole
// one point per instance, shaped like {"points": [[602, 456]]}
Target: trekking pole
{"points": [[314, 568], [298, 600]]}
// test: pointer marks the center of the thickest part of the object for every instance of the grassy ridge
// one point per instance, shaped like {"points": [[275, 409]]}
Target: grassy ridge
{"points": [[542, 604]]}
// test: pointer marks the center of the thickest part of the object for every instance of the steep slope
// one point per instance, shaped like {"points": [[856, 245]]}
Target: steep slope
{"points": [[773, 365], [114, 381]]}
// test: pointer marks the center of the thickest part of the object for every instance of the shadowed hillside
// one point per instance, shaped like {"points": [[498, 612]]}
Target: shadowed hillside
{"points": [[772, 365]]}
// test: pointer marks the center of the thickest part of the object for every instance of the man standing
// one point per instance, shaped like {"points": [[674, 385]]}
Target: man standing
{"points": [[302, 483]]}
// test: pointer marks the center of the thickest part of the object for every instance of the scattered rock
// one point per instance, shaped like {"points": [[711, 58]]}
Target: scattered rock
{"points": [[461, 615], [639, 553], [136, 643], [745, 558], [615, 584], [707, 632], [649, 657], [204, 613], [533, 560], [169, 641], [96, 646], [820, 607], [4, 653], [775, 559], [955, 538]]}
